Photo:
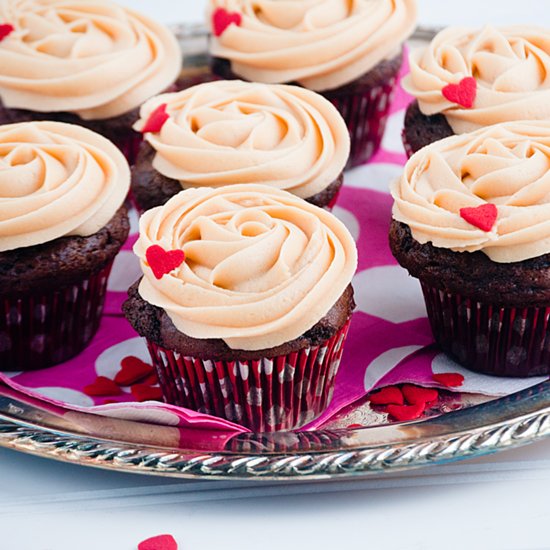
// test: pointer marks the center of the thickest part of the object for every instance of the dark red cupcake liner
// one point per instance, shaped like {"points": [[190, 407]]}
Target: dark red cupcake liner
{"points": [[40, 330], [491, 339], [265, 395], [409, 151]]}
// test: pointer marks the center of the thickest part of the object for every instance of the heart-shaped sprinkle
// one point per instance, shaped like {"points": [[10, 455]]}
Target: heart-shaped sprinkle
{"points": [[5, 30], [156, 119], [464, 93], [483, 217], [449, 379], [102, 387], [133, 370], [221, 19], [391, 395], [163, 261], [151, 380], [354, 426], [143, 392], [160, 542], [414, 395], [404, 413]]}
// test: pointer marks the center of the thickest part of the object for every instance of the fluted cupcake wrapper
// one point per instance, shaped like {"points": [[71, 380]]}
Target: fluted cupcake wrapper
{"points": [[491, 339], [39, 330], [128, 142], [265, 395], [406, 145]]}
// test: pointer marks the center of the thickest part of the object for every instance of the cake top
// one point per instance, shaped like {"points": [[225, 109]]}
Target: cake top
{"points": [[95, 59], [482, 77], [57, 180], [488, 190], [321, 44], [229, 132], [249, 264]]}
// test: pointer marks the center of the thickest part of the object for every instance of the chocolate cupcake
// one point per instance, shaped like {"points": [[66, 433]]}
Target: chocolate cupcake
{"points": [[350, 52], [245, 303], [228, 132], [471, 222], [91, 64], [467, 79], [62, 221]]}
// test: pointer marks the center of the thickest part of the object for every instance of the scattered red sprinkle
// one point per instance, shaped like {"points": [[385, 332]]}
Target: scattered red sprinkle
{"points": [[133, 370], [449, 379], [102, 387], [354, 426], [390, 395], [464, 93], [143, 392], [6, 30], [414, 395], [160, 542], [156, 120], [483, 217], [151, 380], [403, 413], [109, 402], [221, 19], [162, 261]]}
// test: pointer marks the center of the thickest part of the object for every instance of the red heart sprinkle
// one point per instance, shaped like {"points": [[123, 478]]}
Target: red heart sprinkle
{"points": [[221, 19], [156, 120], [6, 30], [390, 395], [354, 426], [160, 542], [449, 379], [403, 413], [482, 217], [102, 387], [151, 380], [464, 93], [133, 370], [143, 392], [416, 395], [162, 261]]}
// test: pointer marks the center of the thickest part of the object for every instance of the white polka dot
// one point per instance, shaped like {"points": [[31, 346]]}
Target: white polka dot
{"points": [[376, 176], [390, 293], [392, 138], [65, 395], [125, 272], [349, 220], [108, 363]]}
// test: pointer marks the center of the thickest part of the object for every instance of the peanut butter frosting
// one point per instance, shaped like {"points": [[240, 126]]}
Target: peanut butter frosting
{"points": [[230, 132], [261, 266], [507, 165], [95, 59], [511, 66], [321, 44], [57, 180]]}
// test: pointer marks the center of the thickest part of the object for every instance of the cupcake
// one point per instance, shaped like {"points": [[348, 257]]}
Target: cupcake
{"points": [[349, 51], [468, 79], [245, 303], [471, 221], [87, 63], [229, 132], [62, 221]]}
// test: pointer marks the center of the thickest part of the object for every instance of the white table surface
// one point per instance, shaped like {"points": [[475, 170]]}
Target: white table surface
{"points": [[496, 503]]}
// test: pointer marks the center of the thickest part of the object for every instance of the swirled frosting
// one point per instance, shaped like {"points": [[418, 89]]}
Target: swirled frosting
{"points": [[322, 44], [262, 266], [507, 165], [95, 59], [57, 180], [229, 132], [511, 66]]}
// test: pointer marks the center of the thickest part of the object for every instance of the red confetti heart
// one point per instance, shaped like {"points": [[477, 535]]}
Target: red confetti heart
{"points": [[221, 19], [482, 217], [5, 30], [156, 119], [390, 395], [102, 387], [415, 395], [464, 93], [449, 379], [160, 542], [151, 380], [133, 370], [143, 392], [162, 261], [404, 413], [354, 426]]}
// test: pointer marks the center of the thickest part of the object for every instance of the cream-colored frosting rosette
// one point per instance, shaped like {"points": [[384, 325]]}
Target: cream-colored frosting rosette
{"points": [[57, 180], [507, 165], [229, 132], [261, 265], [511, 66], [96, 59], [322, 44]]}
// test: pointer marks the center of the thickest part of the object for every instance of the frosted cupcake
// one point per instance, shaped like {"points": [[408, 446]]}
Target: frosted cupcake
{"points": [[229, 132], [469, 78], [350, 51], [245, 302], [62, 221], [87, 63]]}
